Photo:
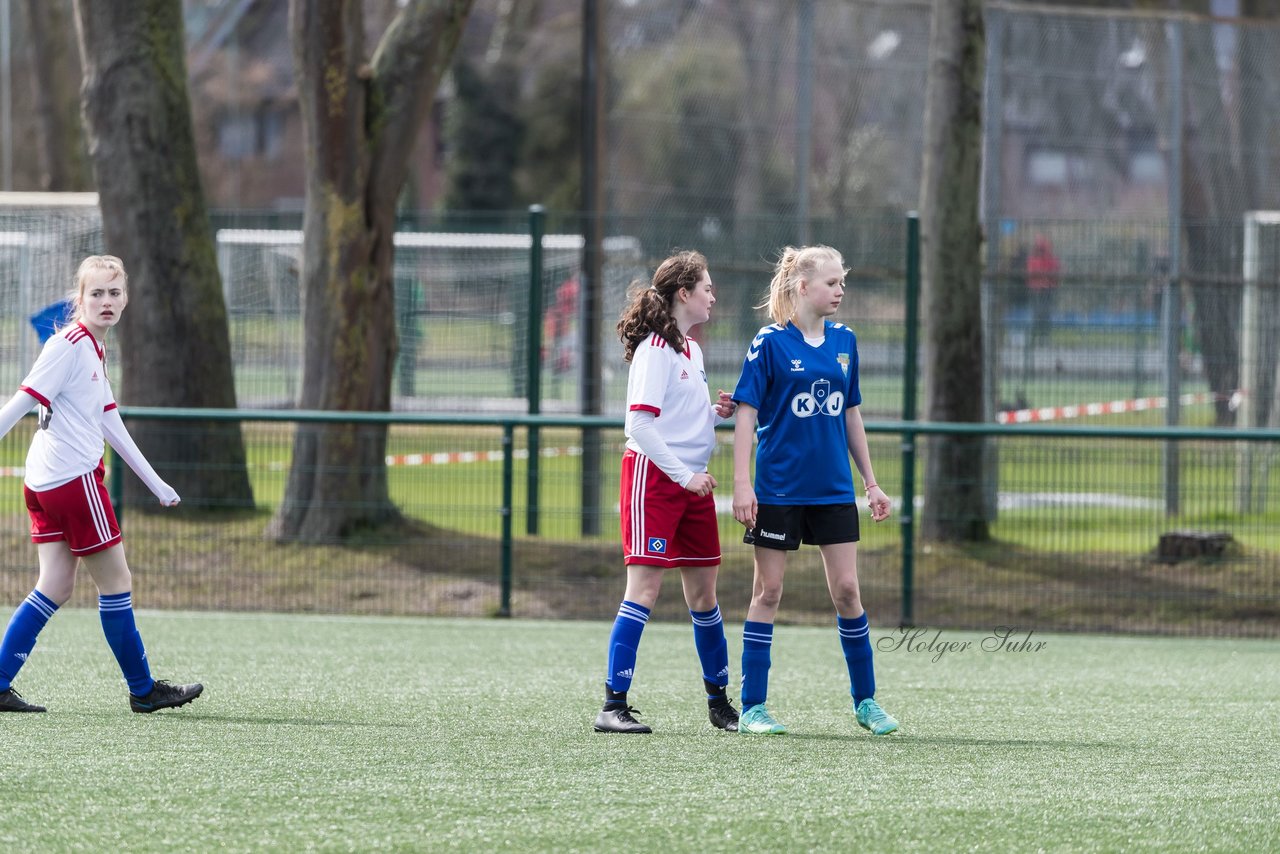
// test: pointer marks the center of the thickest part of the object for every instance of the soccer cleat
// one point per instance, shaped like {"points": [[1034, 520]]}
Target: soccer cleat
{"points": [[165, 696], [619, 720], [11, 701], [874, 718], [757, 721], [722, 713]]}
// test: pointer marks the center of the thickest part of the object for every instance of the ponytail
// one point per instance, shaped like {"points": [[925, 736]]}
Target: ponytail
{"points": [[794, 266], [649, 305]]}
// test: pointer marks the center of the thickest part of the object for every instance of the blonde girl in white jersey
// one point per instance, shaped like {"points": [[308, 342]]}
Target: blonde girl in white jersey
{"points": [[72, 520]]}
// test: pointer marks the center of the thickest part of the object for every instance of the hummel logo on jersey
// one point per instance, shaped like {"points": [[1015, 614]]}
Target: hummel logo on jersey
{"points": [[657, 545], [796, 366], [625, 674]]}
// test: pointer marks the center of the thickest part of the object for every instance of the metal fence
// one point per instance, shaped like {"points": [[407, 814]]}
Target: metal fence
{"points": [[465, 284], [1082, 540]]}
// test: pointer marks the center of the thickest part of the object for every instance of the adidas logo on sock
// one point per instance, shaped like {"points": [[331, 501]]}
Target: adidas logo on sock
{"points": [[21, 656], [724, 671], [625, 674]]}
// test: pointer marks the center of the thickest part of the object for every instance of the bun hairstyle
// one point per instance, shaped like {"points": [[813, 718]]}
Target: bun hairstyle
{"points": [[794, 266], [649, 306]]}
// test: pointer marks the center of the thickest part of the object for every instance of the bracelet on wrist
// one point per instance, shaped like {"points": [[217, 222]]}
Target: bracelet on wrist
{"points": [[870, 486]]}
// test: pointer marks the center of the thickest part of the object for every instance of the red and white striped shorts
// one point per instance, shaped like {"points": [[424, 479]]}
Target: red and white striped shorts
{"points": [[664, 524], [79, 512]]}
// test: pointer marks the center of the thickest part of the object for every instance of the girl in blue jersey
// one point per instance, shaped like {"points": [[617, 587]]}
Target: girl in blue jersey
{"points": [[668, 513], [798, 397]]}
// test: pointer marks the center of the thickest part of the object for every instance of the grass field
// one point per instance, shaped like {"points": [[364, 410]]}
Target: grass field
{"points": [[473, 735]]}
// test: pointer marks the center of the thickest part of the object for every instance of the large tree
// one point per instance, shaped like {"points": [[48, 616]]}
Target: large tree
{"points": [[64, 166], [360, 118], [951, 269], [485, 127], [175, 346]]}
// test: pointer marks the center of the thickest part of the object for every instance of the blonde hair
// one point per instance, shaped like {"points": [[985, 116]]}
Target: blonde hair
{"points": [[794, 266], [92, 264]]}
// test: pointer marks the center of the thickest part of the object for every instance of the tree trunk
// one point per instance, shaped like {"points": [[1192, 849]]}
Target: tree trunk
{"points": [[1213, 204], [1256, 126], [175, 345], [359, 123], [64, 166], [951, 270]]}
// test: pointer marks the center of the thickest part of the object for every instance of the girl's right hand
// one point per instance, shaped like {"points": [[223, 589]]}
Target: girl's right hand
{"points": [[744, 504], [701, 484]]}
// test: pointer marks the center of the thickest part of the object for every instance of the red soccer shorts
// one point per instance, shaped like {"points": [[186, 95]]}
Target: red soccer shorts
{"points": [[664, 524], [79, 512]]}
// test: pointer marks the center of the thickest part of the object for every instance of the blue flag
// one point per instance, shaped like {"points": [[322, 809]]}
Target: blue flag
{"points": [[51, 318]]}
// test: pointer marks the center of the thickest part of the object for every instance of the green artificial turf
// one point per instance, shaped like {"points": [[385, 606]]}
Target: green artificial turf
{"points": [[339, 733]]}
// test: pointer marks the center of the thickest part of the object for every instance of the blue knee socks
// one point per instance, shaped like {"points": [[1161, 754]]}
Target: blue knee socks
{"points": [[757, 640], [713, 651], [624, 640], [20, 637], [116, 613], [855, 638]]}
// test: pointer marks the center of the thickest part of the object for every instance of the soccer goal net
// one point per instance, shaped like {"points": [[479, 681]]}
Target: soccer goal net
{"points": [[462, 311], [462, 305], [43, 239], [1258, 399]]}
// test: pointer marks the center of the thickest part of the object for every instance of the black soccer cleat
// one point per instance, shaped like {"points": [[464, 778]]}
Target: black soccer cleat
{"points": [[11, 701], [722, 713], [619, 720], [165, 696]]}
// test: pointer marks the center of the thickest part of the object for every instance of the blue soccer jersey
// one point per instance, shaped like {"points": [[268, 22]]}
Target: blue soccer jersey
{"points": [[801, 392]]}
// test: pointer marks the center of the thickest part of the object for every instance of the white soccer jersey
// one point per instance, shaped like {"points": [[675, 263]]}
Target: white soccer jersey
{"points": [[69, 379], [673, 386]]}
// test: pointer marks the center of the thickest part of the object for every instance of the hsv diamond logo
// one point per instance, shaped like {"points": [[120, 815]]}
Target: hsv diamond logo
{"points": [[657, 545]]}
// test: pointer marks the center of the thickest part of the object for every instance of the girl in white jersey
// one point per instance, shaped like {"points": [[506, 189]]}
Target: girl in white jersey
{"points": [[799, 386], [668, 513], [72, 520]]}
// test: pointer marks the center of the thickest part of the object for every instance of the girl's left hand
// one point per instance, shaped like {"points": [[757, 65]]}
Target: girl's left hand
{"points": [[879, 503], [725, 407]]}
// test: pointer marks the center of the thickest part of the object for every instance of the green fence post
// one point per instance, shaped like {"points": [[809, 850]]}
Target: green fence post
{"points": [[115, 487], [508, 490], [907, 517], [537, 227]]}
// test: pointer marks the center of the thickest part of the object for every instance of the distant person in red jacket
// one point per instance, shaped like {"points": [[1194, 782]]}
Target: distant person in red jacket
{"points": [[1043, 273], [559, 331]]}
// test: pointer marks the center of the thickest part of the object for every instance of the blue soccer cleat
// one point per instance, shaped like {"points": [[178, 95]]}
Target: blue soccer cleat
{"points": [[872, 717], [756, 720]]}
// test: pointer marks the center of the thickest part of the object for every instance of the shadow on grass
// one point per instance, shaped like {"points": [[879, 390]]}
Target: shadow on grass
{"points": [[912, 740], [299, 722]]}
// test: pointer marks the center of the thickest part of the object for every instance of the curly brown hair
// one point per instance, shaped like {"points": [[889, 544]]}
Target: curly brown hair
{"points": [[649, 307]]}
